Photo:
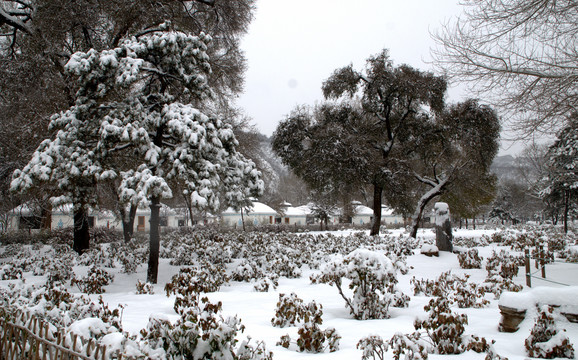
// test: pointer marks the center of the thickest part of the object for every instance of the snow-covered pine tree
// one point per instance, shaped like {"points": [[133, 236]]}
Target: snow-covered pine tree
{"points": [[69, 164], [147, 86], [562, 178], [141, 95]]}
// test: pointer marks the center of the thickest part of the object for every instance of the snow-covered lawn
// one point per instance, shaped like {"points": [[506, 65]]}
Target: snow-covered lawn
{"points": [[256, 309]]}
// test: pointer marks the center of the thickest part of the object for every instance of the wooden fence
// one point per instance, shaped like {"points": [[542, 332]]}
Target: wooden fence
{"points": [[32, 339]]}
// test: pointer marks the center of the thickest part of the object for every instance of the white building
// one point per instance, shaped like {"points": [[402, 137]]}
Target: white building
{"points": [[364, 215], [257, 214], [389, 217], [25, 218], [294, 215]]}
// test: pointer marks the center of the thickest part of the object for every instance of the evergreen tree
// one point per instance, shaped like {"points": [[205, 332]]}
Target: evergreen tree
{"points": [[391, 97], [562, 180], [130, 98], [453, 152]]}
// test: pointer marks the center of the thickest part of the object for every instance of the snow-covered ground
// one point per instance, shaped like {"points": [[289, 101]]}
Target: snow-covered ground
{"points": [[256, 309]]}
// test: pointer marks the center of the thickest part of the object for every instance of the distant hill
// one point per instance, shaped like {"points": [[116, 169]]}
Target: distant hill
{"points": [[504, 167]]}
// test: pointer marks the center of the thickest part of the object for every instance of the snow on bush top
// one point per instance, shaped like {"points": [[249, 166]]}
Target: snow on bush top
{"points": [[371, 259]]}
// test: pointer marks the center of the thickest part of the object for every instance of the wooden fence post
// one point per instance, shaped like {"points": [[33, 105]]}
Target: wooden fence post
{"points": [[543, 261], [527, 261]]}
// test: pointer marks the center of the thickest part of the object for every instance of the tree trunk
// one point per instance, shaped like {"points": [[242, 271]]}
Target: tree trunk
{"points": [[376, 224], [46, 217], [242, 219], [422, 203], [566, 209], [81, 240], [467, 225], [128, 222], [474, 222], [189, 204], [154, 242]]}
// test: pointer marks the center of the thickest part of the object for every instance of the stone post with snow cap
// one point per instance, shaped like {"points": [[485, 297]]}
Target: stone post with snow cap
{"points": [[443, 227]]}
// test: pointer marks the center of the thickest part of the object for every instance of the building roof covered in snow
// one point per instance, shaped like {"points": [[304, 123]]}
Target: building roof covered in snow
{"points": [[256, 208], [302, 210]]}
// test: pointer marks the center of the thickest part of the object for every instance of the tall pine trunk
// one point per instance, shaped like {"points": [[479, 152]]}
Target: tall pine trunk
{"points": [[154, 241], [81, 241], [242, 219], [566, 209], [376, 224], [46, 216], [189, 204]]}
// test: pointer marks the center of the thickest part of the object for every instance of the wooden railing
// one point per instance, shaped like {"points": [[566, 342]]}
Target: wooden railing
{"points": [[33, 339]]}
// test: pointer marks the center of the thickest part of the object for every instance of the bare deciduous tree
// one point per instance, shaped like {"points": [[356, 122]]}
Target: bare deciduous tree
{"points": [[522, 55]]}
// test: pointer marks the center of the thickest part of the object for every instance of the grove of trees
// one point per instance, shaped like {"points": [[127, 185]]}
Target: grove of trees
{"points": [[142, 114], [521, 57], [116, 105], [391, 129], [38, 38]]}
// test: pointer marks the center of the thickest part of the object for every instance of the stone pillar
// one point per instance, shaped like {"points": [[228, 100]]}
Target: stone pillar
{"points": [[443, 227]]}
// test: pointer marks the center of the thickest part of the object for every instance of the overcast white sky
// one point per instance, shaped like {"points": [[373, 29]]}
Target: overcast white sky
{"points": [[294, 45]]}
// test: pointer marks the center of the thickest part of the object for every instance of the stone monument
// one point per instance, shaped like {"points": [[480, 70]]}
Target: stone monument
{"points": [[443, 227]]}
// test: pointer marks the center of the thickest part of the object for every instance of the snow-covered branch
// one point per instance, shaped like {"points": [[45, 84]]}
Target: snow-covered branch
{"points": [[13, 20]]}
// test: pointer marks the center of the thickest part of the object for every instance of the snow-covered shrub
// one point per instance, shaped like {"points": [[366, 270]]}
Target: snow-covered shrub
{"points": [[558, 242], [442, 333], [285, 266], [410, 345], [94, 281], [468, 295], [56, 305], [105, 235], [397, 250], [373, 280], [291, 310], [248, 270], [545, 340], [144, 288], [570, 254], [503, 265], [10, 272], [373, 347], [455, 288], [189, 282], [444, 327], [130, 255], [184, 255], [98, 256], [470, 242], [507, 236], [470, 259], [58, 270], [312, 339], [206, 278], [264, 284], [11, 250], [502, 268], [202, 333]]}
